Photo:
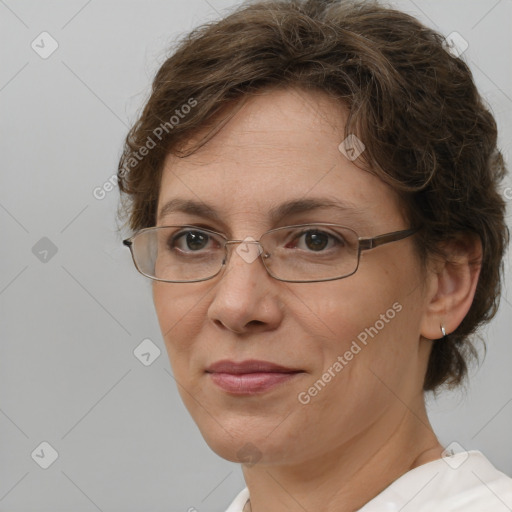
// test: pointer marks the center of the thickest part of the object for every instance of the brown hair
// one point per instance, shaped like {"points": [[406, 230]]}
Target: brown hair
{"points": [[414, 105]]}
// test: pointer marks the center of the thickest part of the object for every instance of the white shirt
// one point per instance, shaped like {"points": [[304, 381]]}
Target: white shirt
{"points": [[463, 482]]}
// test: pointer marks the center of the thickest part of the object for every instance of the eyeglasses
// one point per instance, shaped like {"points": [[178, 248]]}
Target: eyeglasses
{"points": [[304, 253]]}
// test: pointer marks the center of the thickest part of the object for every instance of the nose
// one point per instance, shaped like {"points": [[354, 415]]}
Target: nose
{"points": [[245, 298]]}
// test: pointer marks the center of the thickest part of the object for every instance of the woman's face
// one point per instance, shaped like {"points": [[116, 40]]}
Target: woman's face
{"points": [[354, 343]]}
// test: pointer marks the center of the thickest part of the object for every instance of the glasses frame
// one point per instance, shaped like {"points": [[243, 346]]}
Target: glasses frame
{"points": [[364, 244]]}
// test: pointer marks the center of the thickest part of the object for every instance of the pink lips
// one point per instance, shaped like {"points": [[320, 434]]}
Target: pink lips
{"points": [[249, 377]]}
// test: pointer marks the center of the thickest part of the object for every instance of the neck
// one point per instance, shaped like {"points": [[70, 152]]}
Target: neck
{"points": [[346, 477]]}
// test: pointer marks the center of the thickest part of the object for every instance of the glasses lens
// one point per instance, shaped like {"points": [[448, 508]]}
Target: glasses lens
{"points": [[311, 252], [178, 253]]}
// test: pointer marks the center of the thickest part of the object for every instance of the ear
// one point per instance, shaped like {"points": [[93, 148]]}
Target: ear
{"points": [[451, 285]]}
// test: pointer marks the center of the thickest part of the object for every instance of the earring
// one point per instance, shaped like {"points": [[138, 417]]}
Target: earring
{"points": [[443, 330]]}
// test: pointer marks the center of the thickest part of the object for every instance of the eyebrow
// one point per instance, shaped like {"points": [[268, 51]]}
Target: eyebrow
{"points": [[288, 208]]}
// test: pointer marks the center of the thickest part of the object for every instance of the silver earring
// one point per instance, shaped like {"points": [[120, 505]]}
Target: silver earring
{"points": [[443, 330]]}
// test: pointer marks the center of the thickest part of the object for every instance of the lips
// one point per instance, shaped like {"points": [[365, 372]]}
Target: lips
{"points": [[250, 366], [249, 377]]}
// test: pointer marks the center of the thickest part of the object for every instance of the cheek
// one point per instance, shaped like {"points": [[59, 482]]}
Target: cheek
{"points": [[366, 358], [180, 316], [370, 321], [351, 311]]}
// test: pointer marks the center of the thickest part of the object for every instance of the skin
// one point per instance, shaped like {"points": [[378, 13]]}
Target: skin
{"points": [[368, 425]]}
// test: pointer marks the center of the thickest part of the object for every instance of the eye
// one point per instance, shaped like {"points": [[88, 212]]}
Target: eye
{"points": [[315, 240], [193, 241]]}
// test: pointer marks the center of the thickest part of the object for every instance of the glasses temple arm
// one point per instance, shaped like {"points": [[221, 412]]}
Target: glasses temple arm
{"points": [[370, 243]]}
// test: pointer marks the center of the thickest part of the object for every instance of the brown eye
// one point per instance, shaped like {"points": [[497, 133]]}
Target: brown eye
{"points": [[189, 241], [315, 241]]}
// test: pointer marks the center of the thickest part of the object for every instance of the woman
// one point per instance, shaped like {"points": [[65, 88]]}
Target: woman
{"points": [[312, 187]]}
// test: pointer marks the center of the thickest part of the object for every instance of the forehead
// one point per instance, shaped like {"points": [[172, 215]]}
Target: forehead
{"points": [[280, 146]]}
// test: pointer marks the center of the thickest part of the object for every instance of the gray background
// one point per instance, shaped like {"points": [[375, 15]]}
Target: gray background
{"points": [[70, 321]]}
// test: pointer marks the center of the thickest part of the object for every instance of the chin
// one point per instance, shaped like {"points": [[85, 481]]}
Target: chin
{"points": [[245, 444], [235, 448]]}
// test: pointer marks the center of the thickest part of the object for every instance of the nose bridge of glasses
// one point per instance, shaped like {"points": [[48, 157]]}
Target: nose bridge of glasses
{"points": [[245, 242], [248, 249]]}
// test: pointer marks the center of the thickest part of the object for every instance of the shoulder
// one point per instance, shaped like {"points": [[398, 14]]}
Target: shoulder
{"points": [[464, 482]]}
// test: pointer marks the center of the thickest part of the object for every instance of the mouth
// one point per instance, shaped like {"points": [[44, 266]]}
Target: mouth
{"points": [[249, 377]]}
